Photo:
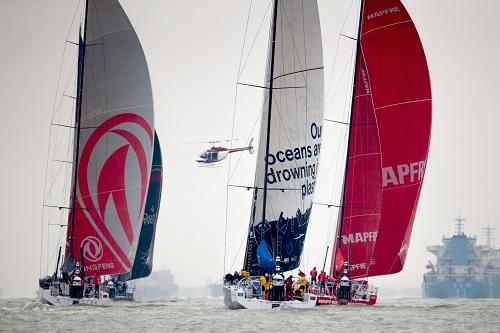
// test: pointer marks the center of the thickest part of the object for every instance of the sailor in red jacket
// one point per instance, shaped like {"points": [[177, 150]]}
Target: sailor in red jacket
{"points": [[314, 276], [322, 281], [97, 282]]}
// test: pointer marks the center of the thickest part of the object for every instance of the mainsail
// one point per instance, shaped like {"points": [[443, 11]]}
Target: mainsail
{"points": [[388, 143], [143, 263], [113, 144], [290, 138]]}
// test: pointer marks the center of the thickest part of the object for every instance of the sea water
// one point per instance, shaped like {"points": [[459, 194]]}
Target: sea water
{"points": [[210, 315]]}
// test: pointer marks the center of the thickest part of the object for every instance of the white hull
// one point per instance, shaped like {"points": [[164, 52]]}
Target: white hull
{"points": [[235, 298], [46, 297]]}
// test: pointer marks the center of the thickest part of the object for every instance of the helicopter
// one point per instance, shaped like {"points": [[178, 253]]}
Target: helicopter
{"points": [[216, 153]]}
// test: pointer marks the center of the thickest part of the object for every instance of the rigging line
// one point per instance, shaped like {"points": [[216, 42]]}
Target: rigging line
{"points": [[69, 126], [263, 87], [269, 110], [288, 25], [338, 189], [349, 37], [66, 84], [50, 134], [255, 39], [232, 135], [358, 49], [336, 52], [241, 155], [336, 121], [238, 252], [297, 72], [78, 120], [347, 66], [63, 207], [261, 188], [290, 29]]}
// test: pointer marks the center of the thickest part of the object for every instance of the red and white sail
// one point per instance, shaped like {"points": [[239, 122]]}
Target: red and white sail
{"points": [[115, 144], [389, 141]]}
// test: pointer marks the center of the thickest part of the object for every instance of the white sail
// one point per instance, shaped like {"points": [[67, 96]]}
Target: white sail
{"points": [[294, 136]]}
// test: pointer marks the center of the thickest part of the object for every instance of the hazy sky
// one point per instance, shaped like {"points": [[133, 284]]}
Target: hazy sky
{"points": [[193, 50]]}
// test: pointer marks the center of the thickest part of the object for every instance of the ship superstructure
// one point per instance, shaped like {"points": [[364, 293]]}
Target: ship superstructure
{"points": [[463, 268]]}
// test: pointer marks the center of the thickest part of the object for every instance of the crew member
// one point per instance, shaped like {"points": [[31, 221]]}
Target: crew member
{"points": [[289, 288], [314, 276], [97, 282], [263, 285], [302, 284]]}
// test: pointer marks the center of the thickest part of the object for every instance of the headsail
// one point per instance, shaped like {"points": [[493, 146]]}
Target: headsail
{"points": [[292, 139], [143, 263], [388, 144], [115, 142]]}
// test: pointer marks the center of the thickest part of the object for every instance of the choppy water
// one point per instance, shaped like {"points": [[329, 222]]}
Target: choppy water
{"points": [[209, 315]]}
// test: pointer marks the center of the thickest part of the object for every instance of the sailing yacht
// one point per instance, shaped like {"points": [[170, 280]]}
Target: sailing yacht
{"points": [[114, 138], [287, 161], [389, 135]]}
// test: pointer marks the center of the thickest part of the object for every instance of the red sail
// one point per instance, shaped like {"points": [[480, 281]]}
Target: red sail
{"points": [[114, 151], [389, 141]]}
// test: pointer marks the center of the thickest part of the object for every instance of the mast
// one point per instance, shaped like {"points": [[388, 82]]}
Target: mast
{"points": [[270, 106], [358, 46], [77, 125]]}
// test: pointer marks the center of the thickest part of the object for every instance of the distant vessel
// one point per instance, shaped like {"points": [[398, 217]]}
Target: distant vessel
{"points": [[112, 179], [215, 289], [159, 285], [463, 268]]}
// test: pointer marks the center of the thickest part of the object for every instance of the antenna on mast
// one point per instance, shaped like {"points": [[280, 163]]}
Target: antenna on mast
{"points": [[490, 235], [460, 224]]}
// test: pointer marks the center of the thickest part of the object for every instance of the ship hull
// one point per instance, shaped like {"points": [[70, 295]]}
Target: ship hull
{"points": [[235, 299], [464, 289], [50, 298]]}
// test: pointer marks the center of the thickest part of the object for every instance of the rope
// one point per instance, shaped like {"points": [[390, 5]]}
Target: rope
{"points": [[50, 135], [232, 133]]}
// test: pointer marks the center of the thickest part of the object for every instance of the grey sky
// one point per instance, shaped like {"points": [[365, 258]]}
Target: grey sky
{"points": [[193, 50]]}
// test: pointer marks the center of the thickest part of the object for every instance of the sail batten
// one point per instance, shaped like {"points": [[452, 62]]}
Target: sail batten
{"points": [[392, 90]]}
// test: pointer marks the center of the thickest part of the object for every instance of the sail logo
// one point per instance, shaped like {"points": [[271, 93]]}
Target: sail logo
{"points": [[92, 248], [403, 174], [362, 265], [366, 84], [383, 12], [359, 237], [149, 219], [121, 148]]}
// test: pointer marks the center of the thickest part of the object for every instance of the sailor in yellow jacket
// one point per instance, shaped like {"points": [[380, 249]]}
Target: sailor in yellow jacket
{"points": [[263, 283]]}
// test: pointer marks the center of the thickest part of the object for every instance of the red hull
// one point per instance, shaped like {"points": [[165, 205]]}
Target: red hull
{"points": [[332, 300]]}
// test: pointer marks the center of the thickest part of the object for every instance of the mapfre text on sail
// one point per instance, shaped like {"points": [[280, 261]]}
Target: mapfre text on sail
{"points": [[300, 167]]}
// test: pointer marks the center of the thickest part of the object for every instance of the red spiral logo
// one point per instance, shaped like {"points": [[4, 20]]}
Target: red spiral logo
{"points": [[92, 248]]}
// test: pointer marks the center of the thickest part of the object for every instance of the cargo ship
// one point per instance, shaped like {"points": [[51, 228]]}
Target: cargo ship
{"points": [[463, 269]]}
